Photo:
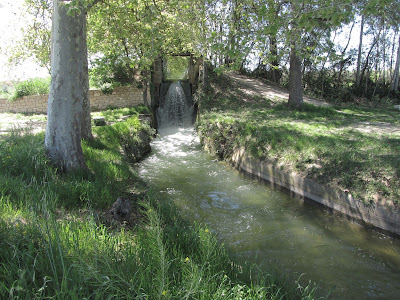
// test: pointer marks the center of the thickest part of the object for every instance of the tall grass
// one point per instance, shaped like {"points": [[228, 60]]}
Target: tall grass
{"points": [[52, 258], [54, 245]]}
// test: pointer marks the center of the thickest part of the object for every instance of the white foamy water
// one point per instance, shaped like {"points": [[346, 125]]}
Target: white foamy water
{"points": [[175, 110]]}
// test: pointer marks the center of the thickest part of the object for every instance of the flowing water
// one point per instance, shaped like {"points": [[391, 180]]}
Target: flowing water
{"points": [[268, 227], [175, 110]]}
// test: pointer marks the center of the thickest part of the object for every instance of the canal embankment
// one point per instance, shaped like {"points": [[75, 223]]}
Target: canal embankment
{"points": [[346, 158]]}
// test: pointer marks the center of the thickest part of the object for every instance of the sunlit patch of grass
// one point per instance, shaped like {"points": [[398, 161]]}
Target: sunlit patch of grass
{"points": [[27, 175], [116, 114]]}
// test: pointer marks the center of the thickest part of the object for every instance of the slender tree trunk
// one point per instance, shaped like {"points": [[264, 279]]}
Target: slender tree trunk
{"points": [[342, 63], [68, 99], [391, 57], [366, 65], [131, 71], [205, 75], [395, 81], [295, 84], [384, 57], [275, 72], [358, 77], [145, 75]]}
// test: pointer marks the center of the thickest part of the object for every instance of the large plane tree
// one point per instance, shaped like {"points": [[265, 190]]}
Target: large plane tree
{"points": [[68, 110]]}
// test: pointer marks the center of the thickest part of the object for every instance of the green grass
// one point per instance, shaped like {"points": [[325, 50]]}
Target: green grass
{"points": [[55, 244], [115, 114], [352, 147]]}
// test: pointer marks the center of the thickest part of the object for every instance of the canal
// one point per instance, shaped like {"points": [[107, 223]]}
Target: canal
{"points": [[267, 227], [262, 225]]}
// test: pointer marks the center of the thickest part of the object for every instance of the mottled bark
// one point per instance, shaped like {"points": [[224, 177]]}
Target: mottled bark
{"points": [[68, 105], [86, 122]]}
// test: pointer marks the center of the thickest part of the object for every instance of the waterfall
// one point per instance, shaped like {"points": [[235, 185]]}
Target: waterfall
{"points": [[175, 110]]}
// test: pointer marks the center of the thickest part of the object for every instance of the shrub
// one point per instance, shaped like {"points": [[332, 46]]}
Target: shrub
{"points": [[109, 68], [107, 88], [35, 86]]}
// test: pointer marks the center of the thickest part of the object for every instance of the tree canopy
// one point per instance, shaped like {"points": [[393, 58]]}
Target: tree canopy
{"points": [[346, 46], [129, 35]]}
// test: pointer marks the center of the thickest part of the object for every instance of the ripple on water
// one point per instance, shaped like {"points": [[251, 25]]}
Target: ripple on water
{"points": [[222, 200]]}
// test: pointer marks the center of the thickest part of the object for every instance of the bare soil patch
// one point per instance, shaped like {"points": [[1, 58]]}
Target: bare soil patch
{"points": [[21, 124], [256, 87]]}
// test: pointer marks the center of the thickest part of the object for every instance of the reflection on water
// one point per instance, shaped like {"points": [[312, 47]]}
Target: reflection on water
{"points": [[266, 226]]}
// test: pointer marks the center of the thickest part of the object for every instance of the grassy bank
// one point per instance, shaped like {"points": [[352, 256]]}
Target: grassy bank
{"points": [[55, 241], [354, 148]]}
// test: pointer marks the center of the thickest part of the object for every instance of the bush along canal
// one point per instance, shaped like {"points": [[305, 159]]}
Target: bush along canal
{"points": [[269, 228]]}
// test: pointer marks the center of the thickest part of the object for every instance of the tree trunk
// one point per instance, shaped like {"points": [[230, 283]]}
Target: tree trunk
{"points": [[358, 77], [86, 123], [295, 84], [384, 56], [391, 57], [295, 71], [343, 61], [67, 111], [366, 65], [275, 72], [395, 81], [145, 81]]}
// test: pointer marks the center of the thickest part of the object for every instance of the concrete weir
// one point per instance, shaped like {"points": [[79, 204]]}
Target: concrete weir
{"points": [[383, 218]]}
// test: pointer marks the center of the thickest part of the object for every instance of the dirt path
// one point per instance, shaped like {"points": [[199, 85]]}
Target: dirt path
{"points": [[255, 87]]}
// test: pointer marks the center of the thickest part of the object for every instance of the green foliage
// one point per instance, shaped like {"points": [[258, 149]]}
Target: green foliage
{"points": [[232, 35], [115, 114], [325, 85], [110, 69], [176, 68], [36, 35], [4, 92], [132, 39], [107, 88], [35, 86]]}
